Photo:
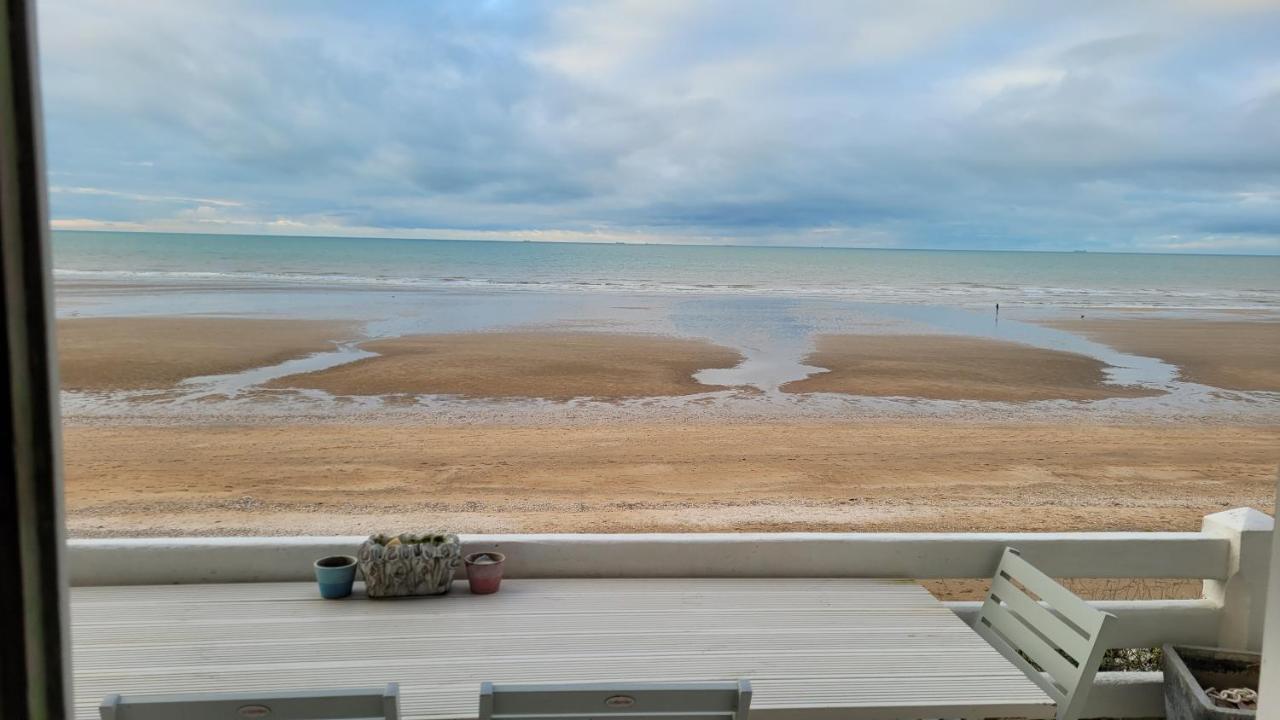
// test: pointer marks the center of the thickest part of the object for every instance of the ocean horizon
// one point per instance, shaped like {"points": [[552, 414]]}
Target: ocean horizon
{"points": [[892, 275], [1043, 251]]}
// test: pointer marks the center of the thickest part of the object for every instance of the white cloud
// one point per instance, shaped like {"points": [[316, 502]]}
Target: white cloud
{"points": [[142, 197], [1269, 244], [94, 224], [989, 83]]}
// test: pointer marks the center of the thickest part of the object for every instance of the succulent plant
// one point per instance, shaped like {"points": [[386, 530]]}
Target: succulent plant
{"points": [[411, 539]]}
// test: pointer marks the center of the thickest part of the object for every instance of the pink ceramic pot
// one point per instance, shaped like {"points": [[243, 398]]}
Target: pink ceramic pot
{"points": [[484, 572]]}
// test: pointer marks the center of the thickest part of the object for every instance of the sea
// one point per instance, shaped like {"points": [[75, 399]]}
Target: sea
{"points": [[769, 303], [959, 278]]}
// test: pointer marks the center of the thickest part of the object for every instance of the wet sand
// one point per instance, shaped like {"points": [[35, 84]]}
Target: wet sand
{"points": [[548, 365], [931, 475], [104, 354], [101, 354], [1230, 354], [947, 367], [284, 476]]}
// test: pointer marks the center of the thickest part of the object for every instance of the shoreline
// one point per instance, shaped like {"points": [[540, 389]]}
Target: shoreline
{"points": [[74, 283]]}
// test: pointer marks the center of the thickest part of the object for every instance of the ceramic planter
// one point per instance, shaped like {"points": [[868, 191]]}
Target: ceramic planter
{"points": [[335, 575], [484, 572], [407, 565]]}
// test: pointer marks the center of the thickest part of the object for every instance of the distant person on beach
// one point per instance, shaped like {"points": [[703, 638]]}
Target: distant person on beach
{"points": [[997, 308]]}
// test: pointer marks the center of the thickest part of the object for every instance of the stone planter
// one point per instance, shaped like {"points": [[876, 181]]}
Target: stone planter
{"points": [[1189, 671], [406, 565]]}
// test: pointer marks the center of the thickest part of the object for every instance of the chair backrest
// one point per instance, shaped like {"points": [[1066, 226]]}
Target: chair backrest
{"points": [[631, 701], [343, 704], [1029, 616]]}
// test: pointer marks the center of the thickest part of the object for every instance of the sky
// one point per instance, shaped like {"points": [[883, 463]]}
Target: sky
{"points": [[1036, 125]]}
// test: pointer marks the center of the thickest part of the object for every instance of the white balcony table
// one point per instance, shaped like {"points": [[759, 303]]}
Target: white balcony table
{"points": [[813, 648]]}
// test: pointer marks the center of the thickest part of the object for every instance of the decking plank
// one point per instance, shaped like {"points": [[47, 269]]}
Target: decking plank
{"points": [[809, 646]]}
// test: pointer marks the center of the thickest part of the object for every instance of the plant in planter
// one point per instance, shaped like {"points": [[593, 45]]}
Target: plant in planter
{"points": [[407, 564]]}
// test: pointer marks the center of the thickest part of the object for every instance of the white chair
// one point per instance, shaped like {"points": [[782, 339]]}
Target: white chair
{"points": [[1029, 616], [632, 701], [344, 704]]}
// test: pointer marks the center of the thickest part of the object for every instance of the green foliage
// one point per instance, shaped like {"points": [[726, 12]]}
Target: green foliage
{"points": [[411, 539], [1131, 659]]}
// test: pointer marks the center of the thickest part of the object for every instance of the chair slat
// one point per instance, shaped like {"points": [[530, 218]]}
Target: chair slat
{"points": [[1051, 626], [345, 704], [1018, 635], [626, 701], [1079, 612], [1039, 677]]}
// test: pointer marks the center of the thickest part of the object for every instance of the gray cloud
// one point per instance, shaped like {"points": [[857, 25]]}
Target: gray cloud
{"points": [[1107, 126]]}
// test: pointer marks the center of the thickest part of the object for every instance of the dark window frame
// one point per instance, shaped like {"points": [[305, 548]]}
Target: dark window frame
{"points": [[35, 656]]}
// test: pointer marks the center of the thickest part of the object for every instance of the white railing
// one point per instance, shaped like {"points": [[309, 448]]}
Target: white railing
{"points": [[1229, 555]]}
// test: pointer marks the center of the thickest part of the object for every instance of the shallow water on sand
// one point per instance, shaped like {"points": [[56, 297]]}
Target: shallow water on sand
{"points": [[773, 333]]}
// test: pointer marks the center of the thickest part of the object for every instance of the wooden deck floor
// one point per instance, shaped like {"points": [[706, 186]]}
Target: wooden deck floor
{"points": [[827, 648]]}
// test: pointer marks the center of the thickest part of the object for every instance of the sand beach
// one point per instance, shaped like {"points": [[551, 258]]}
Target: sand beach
{"points": [[926, 476], [157, 353], [945, 367], [547, 365], [241, 384], [1229, 354], [699, 470]]}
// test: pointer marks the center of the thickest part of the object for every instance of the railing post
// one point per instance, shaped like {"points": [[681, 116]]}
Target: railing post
{"points": [[1269, 680], [1243, 594]]}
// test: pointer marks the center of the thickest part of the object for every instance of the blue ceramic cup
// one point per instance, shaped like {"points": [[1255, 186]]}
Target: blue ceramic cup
{"points": [[335, 575]]}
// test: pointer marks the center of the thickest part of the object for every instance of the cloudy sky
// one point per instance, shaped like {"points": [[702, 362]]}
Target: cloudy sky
{"points": [[1147, 126]]}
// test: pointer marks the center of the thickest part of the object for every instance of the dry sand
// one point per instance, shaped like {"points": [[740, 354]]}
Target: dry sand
{"points": [[1235, 354], [935, 475], [550, 365], [945, 367], [157, 353]]}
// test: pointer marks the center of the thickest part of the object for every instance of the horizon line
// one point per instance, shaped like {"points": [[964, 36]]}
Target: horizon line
{"points": [[518, 241]]}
